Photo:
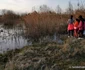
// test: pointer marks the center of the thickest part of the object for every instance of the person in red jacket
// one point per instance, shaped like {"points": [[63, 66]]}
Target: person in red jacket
{"points": [[70, 26], [84, 28], [76, 23], [81, 26]]}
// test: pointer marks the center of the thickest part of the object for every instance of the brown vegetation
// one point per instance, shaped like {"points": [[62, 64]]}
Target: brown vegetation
{"points": [[43, 23], [50, 56]]}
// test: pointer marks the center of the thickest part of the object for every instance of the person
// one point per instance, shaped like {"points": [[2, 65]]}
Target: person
{"points": [[80, 27], [84, 28], [76, 23], [70, 26]]}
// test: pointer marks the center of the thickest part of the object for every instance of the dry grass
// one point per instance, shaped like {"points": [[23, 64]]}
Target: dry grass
{"points": [[52, 56], [42, 24], [38, 25]]}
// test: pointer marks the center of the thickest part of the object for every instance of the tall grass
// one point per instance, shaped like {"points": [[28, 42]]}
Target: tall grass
{"points": [[46, 23], [40, 24]]}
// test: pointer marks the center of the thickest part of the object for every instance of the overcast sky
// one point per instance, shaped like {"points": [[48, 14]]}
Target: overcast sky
{"points": [[26, 5]]}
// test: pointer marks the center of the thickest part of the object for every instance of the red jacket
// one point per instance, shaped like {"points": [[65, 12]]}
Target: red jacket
{"points": [[76, 25], [80, 26], [70, 27]]}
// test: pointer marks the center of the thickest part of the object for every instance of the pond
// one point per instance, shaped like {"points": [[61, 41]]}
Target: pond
{"points": [[15, 39], [12, 39]]}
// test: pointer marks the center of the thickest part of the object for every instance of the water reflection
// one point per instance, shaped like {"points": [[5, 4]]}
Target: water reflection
{"points": [[11, 39], [15, 39]]}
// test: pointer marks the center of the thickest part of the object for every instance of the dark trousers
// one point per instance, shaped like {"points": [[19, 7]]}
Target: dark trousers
{"points": [[70, 32], [80, 32]]}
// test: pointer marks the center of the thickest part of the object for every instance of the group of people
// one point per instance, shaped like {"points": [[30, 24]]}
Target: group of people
{"points": [[76, 28]]}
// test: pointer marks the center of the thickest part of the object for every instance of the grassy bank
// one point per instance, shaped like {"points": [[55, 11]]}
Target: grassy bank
{"points": [[48, 56]]}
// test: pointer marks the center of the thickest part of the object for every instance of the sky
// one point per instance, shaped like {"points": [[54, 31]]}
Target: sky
{"points": [[27, 5]]}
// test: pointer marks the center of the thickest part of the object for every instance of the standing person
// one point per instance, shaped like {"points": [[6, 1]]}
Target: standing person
{"points": [[76, 23], [84, 28], [80, 27], [70, 26]]}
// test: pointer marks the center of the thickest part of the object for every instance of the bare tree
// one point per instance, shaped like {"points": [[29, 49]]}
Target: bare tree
{"points": [[78, 4], [70, 8], [58, 9], [81, 7], [4, 11], [8, 14], [44, 8], [33, 9]]}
